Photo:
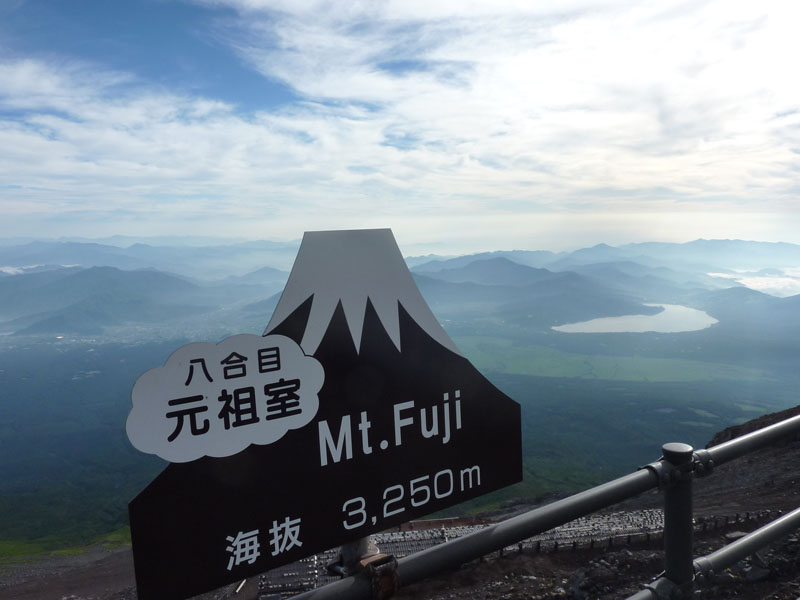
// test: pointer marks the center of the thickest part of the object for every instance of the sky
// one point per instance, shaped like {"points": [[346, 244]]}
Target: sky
{"points": [[462, 125]]}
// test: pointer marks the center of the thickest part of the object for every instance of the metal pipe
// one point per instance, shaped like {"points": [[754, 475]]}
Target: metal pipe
{"points": [[729, 555], [752, 441], [428, 562], [645, 594], [657, 590]]}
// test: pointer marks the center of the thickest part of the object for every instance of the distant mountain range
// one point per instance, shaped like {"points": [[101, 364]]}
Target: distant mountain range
{"points": [[86, 301], [725, 255], [498, 288], [206, 263], [488, 271], [75, 287], [214, 262]]}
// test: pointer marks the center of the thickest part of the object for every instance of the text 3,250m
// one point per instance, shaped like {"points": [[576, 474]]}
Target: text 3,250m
{"points": [[417, 492]]}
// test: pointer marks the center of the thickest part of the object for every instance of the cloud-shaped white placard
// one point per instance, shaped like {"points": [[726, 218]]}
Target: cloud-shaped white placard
{"points": [[217, 399]]}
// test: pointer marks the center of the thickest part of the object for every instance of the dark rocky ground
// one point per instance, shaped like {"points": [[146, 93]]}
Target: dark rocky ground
{"points": [[766, 480], [617, 574]]}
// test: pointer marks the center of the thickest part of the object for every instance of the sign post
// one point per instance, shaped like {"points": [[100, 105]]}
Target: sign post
{"points": [[354, 412]]}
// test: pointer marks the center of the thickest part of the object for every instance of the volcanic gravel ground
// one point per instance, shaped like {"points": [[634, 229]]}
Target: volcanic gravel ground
{"points": [[95, 575]]}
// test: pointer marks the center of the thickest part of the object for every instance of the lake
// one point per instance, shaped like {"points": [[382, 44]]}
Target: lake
{"points": [[673, 319]]}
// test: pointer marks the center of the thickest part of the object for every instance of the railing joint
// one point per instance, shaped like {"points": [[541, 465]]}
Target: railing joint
{"points": [[703, 463], [668, 473], [665, 589], [703, 571], [662, 470]]}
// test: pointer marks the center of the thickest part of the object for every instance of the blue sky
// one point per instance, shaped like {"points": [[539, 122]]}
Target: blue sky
{"points": [[461, 125]]}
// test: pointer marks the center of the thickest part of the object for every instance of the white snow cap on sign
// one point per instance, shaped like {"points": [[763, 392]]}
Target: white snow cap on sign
{"points": [[351, 266]]}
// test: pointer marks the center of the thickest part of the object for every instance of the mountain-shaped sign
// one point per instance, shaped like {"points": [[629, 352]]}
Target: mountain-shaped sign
{"points": [[405, 426]]}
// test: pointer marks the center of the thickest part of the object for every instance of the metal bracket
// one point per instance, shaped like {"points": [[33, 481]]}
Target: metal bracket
{"points": [[363, 557], [382, 572], [351, 555], [703, 571], [662, 472], [703, 463], [664, 589], [668, 472]]}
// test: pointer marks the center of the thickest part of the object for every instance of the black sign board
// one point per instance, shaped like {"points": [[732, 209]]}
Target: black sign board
{"points": [[402, 426]]}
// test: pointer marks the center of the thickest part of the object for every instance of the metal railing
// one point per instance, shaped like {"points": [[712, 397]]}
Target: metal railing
{"points": [[673, 474]]}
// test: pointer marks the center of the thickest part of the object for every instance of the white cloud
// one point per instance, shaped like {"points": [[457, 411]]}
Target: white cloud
{"points": [[609, 95], [501, 112], [775, 286]]}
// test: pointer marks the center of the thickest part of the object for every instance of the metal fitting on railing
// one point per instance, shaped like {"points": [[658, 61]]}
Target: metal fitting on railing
{"points": [[675, 464], [664, 589], [661, 470], [681, 459], [703, 463], [660, 589], [669, 472], [703, 571], [382, 572]]}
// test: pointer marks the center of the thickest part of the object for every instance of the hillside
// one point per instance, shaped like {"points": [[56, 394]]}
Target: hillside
{"points": [[494, 271], [522, 297], [27, 294], [93, 301], [204, 262]]}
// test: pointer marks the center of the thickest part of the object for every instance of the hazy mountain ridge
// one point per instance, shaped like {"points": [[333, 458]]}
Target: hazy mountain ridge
{"points": [[218, 261], [537, 289], [695, 256], [53, 290], [92, 315], [530, 258], [557, 298], [738, 254], [752, 314], [493, 271], [260, 276], [86, 301], [201, 262]]}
